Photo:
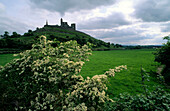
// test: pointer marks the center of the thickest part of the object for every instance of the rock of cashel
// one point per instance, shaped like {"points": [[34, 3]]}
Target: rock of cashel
{"points": [[63, 25]]}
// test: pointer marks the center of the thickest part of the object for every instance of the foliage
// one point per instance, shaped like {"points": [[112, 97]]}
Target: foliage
{"points": [[15, 34], [16, 43], [44, 78], [163, 56], [29, 33], [6, 34], [33, 80], [141, 46], [155, 100], [111, 72], [27, 39], [90, 93], [163, 53]]}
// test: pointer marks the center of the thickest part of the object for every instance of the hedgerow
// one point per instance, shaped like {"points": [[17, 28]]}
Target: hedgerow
{"points": [[163, 56]]}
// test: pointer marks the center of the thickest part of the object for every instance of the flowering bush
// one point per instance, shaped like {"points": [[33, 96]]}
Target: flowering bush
{"points": [[33, 80], [45, 78], [111, 72], [90, 93]]}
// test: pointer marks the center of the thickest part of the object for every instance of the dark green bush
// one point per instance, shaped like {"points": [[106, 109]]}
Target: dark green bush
{"points": [[157, 100], [149, 101], [163, 56]]}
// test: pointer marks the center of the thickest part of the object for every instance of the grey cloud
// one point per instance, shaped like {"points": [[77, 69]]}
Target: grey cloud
{"points": [[63, 6], [114, 20], [165, 27], [153, 10], [2, 8], [127, 32], [12, 25], [127, 36]]}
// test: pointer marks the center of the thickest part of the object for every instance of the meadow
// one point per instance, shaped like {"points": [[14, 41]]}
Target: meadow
{"points": [[125, 81]]}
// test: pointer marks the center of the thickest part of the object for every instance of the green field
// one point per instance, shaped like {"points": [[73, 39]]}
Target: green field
{"points": [[5, 58], [125, 81]]}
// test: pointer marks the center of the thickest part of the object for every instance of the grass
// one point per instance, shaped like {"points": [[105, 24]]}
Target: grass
{"points": [[127, 80], [5, 58]]}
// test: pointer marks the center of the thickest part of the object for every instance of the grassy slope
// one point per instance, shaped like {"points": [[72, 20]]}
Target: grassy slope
{"points": [[58, 34], [128, 80], [64, 33]]}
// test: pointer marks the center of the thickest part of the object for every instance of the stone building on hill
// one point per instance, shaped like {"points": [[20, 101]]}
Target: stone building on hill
{"points": [[62, 25]]}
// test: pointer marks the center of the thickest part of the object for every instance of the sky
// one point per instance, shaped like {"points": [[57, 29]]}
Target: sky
{"points": [[126, 22]]}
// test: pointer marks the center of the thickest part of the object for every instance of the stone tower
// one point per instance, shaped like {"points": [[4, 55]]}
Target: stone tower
{"points": [[46, 22], [61, 22], [63, 25], [73, 26]]}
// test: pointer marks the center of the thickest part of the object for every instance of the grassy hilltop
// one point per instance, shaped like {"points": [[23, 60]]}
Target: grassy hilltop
{"points": [[26, 40]]}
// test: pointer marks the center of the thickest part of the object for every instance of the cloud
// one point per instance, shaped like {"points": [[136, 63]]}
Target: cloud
{"points": [[12, 25], [165, 27], [123, 21], [121, 36], [152, 10], [2, 8], [145, 33], [114, 20], [63, 6], [8, 23], [21, 18]]}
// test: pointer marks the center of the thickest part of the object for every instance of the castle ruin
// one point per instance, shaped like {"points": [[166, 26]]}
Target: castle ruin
{"points": [[62, 25]]}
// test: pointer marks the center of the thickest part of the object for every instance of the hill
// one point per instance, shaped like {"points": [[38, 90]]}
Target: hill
{"points": [[61, 33]]}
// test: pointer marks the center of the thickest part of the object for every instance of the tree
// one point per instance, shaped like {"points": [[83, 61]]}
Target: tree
{"points": [[108, 45], [6, 34], [15, 34], [29, 33], [163, 56], [118, 45]]}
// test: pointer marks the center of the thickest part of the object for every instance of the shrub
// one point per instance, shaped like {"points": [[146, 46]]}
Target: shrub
{"points": [[163, 53], [163, 56], [111, 72], [89, 94], [45, 78], [149, 101], [156, 100], [34, 80]]}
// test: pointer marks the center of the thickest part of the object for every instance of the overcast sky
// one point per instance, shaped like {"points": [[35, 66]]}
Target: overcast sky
{"points": [[128, 22]]}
